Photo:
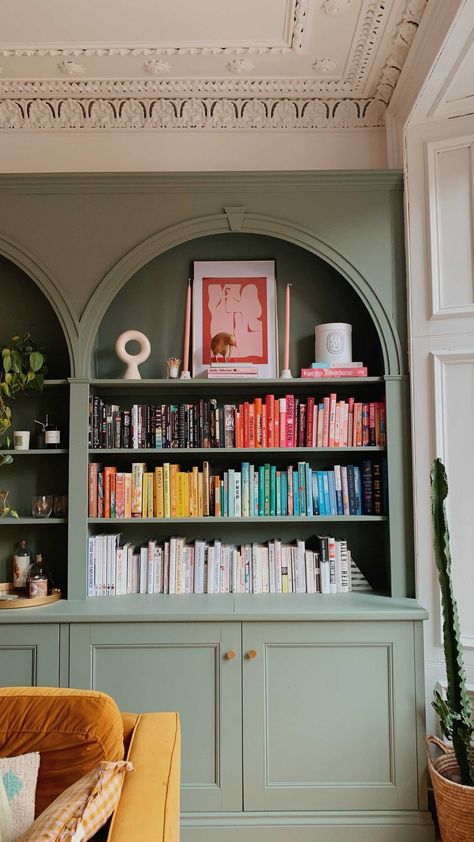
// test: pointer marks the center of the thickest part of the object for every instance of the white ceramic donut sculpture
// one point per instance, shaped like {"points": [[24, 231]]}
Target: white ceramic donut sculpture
{"points": [[132, 361]]}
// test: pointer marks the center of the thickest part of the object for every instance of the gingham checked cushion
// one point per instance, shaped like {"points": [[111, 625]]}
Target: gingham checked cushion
{"points": [[76, 814]]}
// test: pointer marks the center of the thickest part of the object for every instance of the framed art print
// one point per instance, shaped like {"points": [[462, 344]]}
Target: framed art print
{"points": [[237, 298]]}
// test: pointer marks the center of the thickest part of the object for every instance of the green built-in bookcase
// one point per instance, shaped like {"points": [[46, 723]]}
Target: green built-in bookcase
{"points": [[302, 714]]}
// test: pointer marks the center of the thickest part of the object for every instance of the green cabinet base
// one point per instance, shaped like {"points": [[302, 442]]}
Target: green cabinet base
{"points": [[376, 826]]}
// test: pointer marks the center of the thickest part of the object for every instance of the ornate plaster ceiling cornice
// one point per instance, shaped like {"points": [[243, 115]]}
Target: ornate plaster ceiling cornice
{"points": [[227, 102], [134, 113]]}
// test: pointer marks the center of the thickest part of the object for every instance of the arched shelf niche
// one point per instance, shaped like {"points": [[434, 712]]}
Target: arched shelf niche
{"points": [[25, 309], [153, 299]]}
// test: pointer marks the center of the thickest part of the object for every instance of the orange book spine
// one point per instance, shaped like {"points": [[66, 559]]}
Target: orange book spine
{"points": [[217, 496], [264, 426], [246, 424], [119, 495], [252, 439], [270, 405], [238, 427], [127, 495], [108, 472]]}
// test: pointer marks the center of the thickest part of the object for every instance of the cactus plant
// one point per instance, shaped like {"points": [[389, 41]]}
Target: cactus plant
{"points": [[455, 711]]}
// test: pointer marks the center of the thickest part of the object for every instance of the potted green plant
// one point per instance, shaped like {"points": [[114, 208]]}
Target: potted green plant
{"points": [[22, 369], [452, 774]]}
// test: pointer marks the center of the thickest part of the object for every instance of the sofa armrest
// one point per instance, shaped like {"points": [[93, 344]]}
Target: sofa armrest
{"points": [[149, 803]]}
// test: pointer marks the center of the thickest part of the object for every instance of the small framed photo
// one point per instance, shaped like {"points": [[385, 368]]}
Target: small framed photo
{"points": [[236, 298]]}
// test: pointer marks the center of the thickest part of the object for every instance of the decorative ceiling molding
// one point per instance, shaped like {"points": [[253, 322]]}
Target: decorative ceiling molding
{"points": [[249, 103], [295, 44], [132, 113], [71, 68], [335, 7]]}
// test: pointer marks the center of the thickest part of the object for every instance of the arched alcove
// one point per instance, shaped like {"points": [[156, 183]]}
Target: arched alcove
{"points": [[153, 298], [25, 309]]}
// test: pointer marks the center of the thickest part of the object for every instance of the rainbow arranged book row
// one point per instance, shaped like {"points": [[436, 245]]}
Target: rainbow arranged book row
{"points": [[321, 565], [250, 491], [263, 422]]}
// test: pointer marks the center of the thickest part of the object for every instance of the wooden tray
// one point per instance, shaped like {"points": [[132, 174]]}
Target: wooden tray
{"points": [[23, 601]]}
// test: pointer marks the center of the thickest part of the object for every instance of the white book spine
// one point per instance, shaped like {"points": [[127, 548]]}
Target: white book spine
{"points": [[277, 566], [200, 552], [210, 569], [120, 571], [300, 574], [238, 493], [217, 565], [172, 568], [91, 591], [271, 565], [332, 565], [143, 583]]}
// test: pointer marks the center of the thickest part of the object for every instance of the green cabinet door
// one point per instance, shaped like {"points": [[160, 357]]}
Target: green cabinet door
{"points": [[329, 718], [175, 666], [29, 655]]}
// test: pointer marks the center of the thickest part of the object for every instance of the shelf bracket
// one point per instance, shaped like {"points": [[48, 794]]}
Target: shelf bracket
{"points": [[235, 217]]}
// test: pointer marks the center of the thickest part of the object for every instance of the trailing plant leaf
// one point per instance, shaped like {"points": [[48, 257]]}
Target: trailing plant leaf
{"points": [[455, 711]]}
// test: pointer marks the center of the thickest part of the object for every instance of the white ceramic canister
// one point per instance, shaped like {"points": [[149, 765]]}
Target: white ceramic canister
{"points": [[333, 342]]}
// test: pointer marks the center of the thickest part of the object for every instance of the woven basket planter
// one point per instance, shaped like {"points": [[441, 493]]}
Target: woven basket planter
{"points": [[454, 802]]}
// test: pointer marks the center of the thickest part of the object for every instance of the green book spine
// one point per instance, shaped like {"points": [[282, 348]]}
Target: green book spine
{"points": [[273, 490], [278, 494], [267, 489], [261, 490], [302, 487]]}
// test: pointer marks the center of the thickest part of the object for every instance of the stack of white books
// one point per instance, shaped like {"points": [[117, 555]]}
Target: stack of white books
{"points": [[232, 370]]}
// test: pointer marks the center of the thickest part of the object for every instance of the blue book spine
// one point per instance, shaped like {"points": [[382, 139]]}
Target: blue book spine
{"points": [[327, 502], [338, 481], [267, 489], [322, 507], [252, 507], [284, 493], [245, 469], [256, 486], [302, 487], [314, 490], [261, 490], [273, 490], [296, 495], [332, 492], [358, 490], [309, 491]]}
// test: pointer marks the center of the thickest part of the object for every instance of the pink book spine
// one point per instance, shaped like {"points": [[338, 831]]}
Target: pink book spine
{"points": [[320, 431], [343, 440], [309, 373], [326, 422], [282, 437], [337, 425], [332, 418], [314, 431]]}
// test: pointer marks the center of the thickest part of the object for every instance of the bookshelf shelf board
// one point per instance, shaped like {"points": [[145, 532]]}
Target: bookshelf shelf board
{"points": [[232, 451], [34, 452], [224, 385], [38, 521], [53, 383], [220, 521]]}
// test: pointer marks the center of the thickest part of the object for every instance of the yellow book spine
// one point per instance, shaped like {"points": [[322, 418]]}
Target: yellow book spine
{"points": [[200, 494], [159, 509], [195, 493], [166, 489], [144, 495], [150, 507], [188, 494], [174, 470], [206, 489], [180, 502]]}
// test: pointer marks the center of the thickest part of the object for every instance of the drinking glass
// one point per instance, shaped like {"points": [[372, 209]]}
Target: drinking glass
{"points": [[60, 505], [42, 505]]}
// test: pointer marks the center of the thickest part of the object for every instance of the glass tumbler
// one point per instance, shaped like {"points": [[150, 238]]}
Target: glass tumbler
{"points": [[60, 505], [42, 505]]}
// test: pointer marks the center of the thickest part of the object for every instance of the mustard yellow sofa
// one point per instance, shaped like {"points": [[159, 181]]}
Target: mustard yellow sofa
{"points": [[74, 730]]}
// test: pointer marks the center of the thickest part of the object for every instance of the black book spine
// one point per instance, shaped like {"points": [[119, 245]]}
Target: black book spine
{"points": [[174, 426], [182, 431], [351, 489], [126, 428], [117, 423], [368, 488]]}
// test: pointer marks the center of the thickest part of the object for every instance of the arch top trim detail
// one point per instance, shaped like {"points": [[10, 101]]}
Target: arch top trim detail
{"points": [[250, 223]]}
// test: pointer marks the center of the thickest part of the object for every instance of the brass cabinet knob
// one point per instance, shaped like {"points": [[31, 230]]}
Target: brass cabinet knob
{"points": [[251, 654], [230, 655]]}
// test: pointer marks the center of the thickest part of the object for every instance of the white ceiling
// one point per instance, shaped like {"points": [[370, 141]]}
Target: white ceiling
{"points": [[178, 64]]}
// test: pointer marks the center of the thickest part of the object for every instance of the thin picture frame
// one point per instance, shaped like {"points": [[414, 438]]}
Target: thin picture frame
{"points": [[236, 297]]}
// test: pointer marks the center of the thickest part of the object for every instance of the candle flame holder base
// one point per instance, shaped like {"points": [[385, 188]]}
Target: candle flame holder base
{"points": [[286, 374], [185, 375]]}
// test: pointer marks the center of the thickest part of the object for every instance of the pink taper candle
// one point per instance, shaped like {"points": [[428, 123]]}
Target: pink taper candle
{"points": [[286, 349], [187, 329]]}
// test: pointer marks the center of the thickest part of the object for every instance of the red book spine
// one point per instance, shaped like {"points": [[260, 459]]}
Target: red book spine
{"points": [[365, 424], [270, 405], [264, 426], [257, 408], [252, 436], [108, 472], [277, 424], [377, 424], [309, 421], [238, 427], [246, 424], [290, 420]]}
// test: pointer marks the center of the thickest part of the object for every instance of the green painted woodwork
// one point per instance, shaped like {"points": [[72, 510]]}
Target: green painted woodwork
{"points": [[29, 655], [314, 741], [183, 667], [321, 736]]}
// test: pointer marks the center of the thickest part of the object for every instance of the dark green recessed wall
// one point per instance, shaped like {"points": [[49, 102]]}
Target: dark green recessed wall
{"points": [[153, 300]]}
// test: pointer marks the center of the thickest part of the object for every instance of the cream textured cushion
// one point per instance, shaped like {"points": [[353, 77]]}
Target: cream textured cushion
{"points": [[19, 776], [76, 814]]}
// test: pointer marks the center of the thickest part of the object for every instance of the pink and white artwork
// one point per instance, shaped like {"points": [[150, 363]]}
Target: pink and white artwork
{"points": [[235, 298]]}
